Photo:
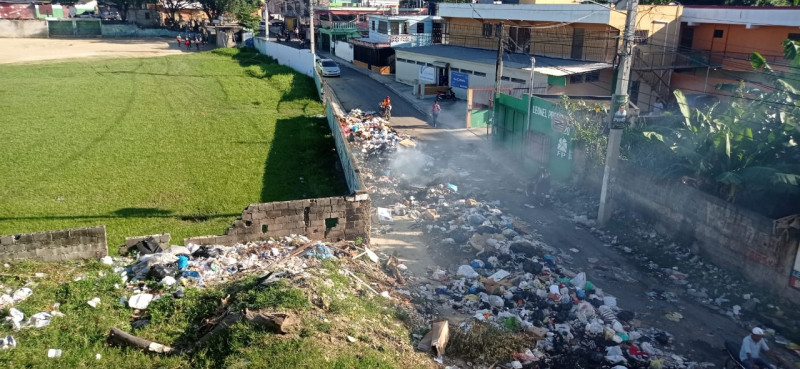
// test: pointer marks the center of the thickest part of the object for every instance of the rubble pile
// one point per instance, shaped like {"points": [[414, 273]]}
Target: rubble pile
{"points": [[179, 267], [672, 261], [513, 279]]}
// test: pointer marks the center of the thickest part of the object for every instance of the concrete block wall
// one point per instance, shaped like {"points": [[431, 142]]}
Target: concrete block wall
{"points": [[731, 237], [60, 245], [23, 28], [330, 219]]}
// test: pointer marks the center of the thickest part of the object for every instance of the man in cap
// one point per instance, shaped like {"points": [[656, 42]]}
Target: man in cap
{"points": [[750, 352]]}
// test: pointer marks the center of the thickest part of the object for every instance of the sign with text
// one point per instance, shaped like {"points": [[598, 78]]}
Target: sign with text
{"points": [[459, 80], [427, 74]]}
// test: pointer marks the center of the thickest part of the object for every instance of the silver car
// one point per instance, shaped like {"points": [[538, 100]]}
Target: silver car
{"points": [[328, 68]]}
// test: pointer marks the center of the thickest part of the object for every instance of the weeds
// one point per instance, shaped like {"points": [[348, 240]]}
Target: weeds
{"points": [[482, 341]]}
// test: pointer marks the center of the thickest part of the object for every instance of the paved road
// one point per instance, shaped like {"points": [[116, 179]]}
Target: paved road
{"points": [[355, 90]]}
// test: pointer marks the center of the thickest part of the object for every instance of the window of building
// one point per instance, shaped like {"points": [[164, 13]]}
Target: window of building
{"points": [[404, 28], [480, 74], [487, 30], [592, 77], [401, 60], [420, 27], [718, 33], [575, 79], [794, 36], [147, 15], [382, 27], [640, 37], [420, 63], [373, 25]]}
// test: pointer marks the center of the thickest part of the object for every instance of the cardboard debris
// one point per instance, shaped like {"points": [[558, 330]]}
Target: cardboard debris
{"points": [[436, 339], [407, 143], [430, 214]]}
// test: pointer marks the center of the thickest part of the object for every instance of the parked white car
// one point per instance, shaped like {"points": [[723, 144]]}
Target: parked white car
{"points": [[327, 68]]}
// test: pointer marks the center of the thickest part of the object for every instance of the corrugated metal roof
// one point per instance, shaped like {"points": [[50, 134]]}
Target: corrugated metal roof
{"points": [[545, 65]]}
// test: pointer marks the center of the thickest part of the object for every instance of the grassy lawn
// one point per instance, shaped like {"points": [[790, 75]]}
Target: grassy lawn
{"points": [[178, 144]]}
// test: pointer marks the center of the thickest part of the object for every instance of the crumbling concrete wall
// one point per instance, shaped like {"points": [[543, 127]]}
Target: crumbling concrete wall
{"points": [[329, 219], [732, 237], [61, 245], [23, 28]]}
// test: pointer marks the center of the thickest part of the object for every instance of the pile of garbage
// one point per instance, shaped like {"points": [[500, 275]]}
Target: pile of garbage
{"points": [[514, 280], [194, 266], [372, 134]]}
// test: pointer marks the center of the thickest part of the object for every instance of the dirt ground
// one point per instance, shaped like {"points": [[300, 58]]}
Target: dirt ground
{"points": [[22, 50]]}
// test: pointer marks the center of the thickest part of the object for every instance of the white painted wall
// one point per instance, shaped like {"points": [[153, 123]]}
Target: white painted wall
{"points": [[747, 16], [298, 59], [343, 50], [583, 13], [23, 28], [408, 73]]}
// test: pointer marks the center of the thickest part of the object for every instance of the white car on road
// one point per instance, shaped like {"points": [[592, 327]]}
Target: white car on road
{"points": [[327, 68]]}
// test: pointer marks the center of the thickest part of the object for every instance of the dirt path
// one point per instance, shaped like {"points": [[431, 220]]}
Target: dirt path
{"points": [[23, 50]]}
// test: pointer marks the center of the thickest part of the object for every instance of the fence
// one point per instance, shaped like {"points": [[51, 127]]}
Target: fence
{"points": [[75, 27], [479, 104]]}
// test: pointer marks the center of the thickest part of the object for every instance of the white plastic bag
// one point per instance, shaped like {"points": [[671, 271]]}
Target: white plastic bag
{"points": [[467, 272], [579, 281]]}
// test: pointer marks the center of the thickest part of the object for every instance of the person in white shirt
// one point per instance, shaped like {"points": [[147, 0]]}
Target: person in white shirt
{"points": [[750, 353]]}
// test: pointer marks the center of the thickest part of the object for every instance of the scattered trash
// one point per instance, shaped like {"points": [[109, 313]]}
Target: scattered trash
{"points": [[385, 215], [141, 301], [351, 339], [675, 317], [467, 271], [436, 339], [53, 353], [107, 260], [93, 302], [8, 343]]}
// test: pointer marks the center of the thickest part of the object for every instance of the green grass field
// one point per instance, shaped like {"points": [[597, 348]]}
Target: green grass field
{"points": [[178, 144]]}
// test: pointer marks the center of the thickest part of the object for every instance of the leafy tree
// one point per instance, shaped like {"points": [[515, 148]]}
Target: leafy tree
{"points": [[243, 11], [123, 6], [747, 150], [173, 7]]}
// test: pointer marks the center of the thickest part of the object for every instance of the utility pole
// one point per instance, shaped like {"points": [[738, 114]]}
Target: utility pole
{"points": [[618, 114], [311, 28], [498, 71]]}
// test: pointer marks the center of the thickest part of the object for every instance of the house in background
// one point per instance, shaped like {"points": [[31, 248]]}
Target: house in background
{"points": [[17, 9], [722, 38], [575, 46], [388, 32], [342, 23]]}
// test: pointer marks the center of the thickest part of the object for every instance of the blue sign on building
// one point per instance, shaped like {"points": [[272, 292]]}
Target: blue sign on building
{"points": [[459, 80]]}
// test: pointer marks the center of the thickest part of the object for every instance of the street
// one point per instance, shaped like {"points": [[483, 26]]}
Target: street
{"points": [[491, 176]]}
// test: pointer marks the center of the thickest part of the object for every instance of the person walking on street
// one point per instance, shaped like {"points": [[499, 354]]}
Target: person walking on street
{"points": [[188, 43], [435, 112]]}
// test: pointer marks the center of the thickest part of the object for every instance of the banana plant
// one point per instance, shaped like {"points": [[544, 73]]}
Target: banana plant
{"points": [[748, 145]]}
